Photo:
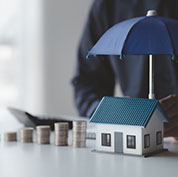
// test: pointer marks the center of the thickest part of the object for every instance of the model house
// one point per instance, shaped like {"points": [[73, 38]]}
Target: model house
{"points": [[129, 125]]}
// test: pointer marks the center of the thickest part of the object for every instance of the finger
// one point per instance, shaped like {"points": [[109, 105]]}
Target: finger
{"points": [[167, 97], [167, 102], [171, 108]]}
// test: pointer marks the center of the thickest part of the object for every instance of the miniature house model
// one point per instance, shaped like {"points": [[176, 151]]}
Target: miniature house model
{"points": [[129, 125]]}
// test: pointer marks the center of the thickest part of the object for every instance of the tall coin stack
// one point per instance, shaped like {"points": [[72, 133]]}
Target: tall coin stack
{"points": [[26, 135], [61, 133], [79, 134], [10, 136], [43, 134]]}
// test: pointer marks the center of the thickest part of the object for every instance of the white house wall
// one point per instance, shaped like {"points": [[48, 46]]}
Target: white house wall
{"points": [[126, 130], [154, 125]]}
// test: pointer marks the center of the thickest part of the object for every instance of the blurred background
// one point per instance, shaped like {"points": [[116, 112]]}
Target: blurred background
{"points": [[38, 44], [38, 47]]}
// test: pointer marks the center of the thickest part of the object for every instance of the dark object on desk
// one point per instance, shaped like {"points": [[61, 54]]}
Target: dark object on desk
{"points": [[30, 120]]}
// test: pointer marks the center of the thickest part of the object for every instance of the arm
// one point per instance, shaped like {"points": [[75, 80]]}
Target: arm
{"points": [[94, 78]]}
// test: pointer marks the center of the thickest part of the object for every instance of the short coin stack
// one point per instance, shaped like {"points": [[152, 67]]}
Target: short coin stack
{"points": [[61, 133], [10, 136], [43, 134], [79, 134], [26, 135]]}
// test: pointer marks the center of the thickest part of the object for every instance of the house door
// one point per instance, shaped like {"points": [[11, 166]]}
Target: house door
{"points": [[118, 138]]}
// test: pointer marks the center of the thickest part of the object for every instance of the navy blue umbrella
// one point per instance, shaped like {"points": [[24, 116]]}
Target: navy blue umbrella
{"points": [[147, 35]]}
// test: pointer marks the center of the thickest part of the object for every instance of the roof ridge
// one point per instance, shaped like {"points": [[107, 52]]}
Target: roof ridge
{"points": [[130, 98]]}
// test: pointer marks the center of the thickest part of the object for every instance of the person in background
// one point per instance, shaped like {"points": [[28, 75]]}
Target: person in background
{"points": [[96, 77]]}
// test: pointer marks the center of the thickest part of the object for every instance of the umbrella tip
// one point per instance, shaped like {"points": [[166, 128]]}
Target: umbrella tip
{"points": [[151, 13], [88, 56]]}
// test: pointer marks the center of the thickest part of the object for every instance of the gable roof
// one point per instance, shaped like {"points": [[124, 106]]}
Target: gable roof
{"points": [[126, 111]]}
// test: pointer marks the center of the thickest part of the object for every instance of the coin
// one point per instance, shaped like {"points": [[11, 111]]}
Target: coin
{"points": [[10, 136], [79, 134], [26, 135], [43, 134], [80, 144], [61, 133]]}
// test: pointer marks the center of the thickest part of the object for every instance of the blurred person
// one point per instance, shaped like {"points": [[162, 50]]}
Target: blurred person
{"points": [[97, 77]]}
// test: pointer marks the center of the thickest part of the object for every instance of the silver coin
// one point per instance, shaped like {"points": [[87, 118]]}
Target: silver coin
{"points": [[26, 136], [43, 128], [10, 136], [78, 133], [61, 134], [79, 128], [27, 140], [61, 144], [61, 130], [79, 138], [43, 138], [27, 129], [26, 132], [60, 141], [61, 125], [79, 144], [79, 122], [43, 133], [43, 142]]}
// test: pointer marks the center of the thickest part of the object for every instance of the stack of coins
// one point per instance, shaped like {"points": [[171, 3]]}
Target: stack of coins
{"points": [[79, 134], [61, 133], [10, 136], [26, 135], [43, 134]]}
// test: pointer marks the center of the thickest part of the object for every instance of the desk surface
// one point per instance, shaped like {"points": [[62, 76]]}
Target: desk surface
{"points": [[33, 160]]}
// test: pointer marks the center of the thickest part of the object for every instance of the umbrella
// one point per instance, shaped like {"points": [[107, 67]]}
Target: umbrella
{"points": [[147, 35]]}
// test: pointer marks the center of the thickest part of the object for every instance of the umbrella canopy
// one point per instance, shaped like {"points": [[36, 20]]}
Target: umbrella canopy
{"points": [[139, 36], [147, 35]]}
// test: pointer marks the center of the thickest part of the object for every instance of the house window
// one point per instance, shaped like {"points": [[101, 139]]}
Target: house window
{"points": [[158, 138], [147, 141], [106, 139], [131, 142]]}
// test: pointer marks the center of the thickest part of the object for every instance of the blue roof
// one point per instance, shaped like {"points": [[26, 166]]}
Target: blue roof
{"points": [[126, 111]]}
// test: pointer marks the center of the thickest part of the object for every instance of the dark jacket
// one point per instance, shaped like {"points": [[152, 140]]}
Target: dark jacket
{"points": [[96, 77]]}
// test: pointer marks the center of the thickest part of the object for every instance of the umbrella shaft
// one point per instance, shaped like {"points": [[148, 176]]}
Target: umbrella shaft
{"points": [[151, 78]]}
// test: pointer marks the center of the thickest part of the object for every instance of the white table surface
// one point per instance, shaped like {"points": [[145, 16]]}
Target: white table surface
{"points": [[33, 160]]}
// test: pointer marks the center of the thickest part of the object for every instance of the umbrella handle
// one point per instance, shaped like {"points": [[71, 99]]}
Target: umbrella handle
{"points": [[151, 94]]}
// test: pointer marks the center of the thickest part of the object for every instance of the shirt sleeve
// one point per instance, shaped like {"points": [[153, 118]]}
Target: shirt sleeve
{"points": [[94, 77]]}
